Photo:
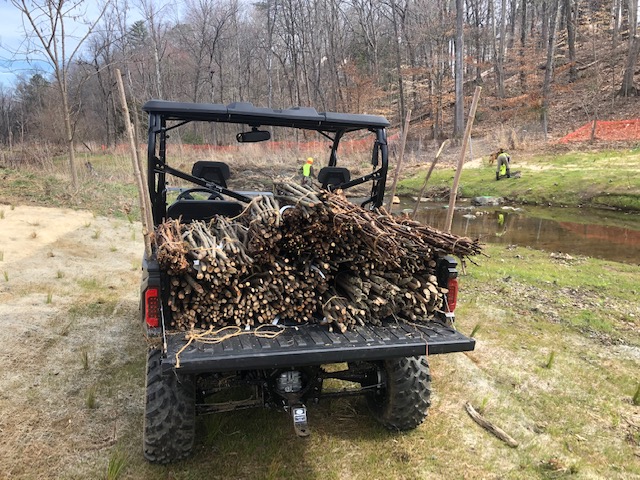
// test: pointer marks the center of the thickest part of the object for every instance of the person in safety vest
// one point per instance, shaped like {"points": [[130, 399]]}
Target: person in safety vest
{"points": [[503, 162], [307, 171]]}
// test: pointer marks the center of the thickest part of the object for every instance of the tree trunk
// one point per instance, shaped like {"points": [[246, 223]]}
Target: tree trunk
{"points": [[513, 19], [69, 134], [544, 32], [394, 17], [493, 39], [501, 49], [616, 15], [476, 33], [458, 126], [523, 44], [546, 88], [571, 12], [628, 88]]}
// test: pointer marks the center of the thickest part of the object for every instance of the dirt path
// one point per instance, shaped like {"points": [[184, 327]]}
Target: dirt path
{"points": [[66, 312]]}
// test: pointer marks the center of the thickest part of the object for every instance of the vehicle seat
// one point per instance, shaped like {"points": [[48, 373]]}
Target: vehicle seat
{"points": [[333, 176], [216, 172], [191, 210]]}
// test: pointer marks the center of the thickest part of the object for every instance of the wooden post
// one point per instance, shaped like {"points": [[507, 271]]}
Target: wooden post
{"points": [[143, 198], [405, 131], [463, 151], [426, 179]]}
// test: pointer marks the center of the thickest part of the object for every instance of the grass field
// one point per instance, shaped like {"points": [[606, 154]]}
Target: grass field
{"points": [[556, 365], [602, 179]]}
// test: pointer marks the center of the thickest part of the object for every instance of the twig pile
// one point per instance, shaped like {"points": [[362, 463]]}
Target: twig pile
{"points": [[301, 255]]}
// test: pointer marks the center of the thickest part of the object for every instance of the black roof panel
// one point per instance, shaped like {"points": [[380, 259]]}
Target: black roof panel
{"points": [[246, 113]]}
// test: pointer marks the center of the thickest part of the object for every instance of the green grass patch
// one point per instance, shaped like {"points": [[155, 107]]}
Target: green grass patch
{"points": [[117, 464], [90, 284], [90, 399], [84, 358], [100, 307], [602, 179], [104, 195], [550, 360], [589, 295]]}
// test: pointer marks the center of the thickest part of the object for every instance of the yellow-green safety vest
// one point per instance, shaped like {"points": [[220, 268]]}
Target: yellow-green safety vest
{"points": [[503, 160]]}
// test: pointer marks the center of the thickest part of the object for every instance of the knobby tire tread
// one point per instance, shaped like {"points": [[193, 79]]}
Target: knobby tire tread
{"points": [[404, 403], [169, 420]]}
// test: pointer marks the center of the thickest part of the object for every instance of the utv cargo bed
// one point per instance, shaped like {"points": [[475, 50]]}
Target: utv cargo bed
{"points": [[314, 345]]}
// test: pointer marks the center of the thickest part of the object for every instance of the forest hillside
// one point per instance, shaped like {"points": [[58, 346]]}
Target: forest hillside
{"points": [[546, 67]]}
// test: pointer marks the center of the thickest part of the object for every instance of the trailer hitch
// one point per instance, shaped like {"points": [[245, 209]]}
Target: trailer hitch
{"points": [[299, 416], [289, 386]]}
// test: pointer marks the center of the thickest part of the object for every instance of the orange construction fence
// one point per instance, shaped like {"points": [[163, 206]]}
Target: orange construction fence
{"points": [[606, 130]]}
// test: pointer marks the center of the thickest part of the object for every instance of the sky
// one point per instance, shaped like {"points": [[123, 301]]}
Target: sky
{"points": [[12, 37]]}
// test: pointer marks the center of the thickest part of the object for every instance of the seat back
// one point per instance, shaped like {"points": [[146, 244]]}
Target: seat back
{"points": [[190, 210], [216, 172], [333, 176]]}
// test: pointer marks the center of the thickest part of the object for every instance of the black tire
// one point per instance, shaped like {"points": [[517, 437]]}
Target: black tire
{"points": [[402, 403], [169, 413]]}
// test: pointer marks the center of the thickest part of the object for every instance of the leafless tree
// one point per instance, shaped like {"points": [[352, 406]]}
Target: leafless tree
{"points": [[571, 8], [57, 29], [354, 55], [458, 123], [548, 73], [501, 49], [628, 87]]}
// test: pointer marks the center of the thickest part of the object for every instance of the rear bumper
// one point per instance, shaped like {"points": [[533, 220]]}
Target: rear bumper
{"points": [[299, 346]]}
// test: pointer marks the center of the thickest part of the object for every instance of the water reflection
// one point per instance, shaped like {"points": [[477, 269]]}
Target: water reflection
{"points": [[499, 226]]}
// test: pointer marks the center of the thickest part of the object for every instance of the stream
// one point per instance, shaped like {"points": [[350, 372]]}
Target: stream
{"points": [[604, 234]]}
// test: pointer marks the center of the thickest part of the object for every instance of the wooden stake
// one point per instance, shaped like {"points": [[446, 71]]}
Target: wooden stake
{"points": [[405, 131], [498, 432], [145, 207], [463, 152], [426, 179]]}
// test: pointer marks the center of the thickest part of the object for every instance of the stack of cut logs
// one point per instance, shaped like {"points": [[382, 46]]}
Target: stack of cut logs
{"points": [[303, 255]]}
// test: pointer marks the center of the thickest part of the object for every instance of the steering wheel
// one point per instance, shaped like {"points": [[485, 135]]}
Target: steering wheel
{"points": [[186, 195]]}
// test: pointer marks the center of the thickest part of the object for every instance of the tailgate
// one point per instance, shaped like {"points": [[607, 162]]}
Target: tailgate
{"points": [[314, 345]]}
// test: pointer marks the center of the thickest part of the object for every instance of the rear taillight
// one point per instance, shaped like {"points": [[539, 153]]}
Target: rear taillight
{"points": [[152, 307], [452, 296], [447, 273]]}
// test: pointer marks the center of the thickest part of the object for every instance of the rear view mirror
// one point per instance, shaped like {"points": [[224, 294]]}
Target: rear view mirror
{"points": [[253, 136]]}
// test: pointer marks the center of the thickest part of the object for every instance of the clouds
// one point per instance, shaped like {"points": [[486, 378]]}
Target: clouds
{"points": [[12, 63], [10, 24], [15, 60]]}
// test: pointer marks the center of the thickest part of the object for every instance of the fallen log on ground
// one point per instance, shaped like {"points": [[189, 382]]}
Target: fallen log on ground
{"points": [[490, 427]]}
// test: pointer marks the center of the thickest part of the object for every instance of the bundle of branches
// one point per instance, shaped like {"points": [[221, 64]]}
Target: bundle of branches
{"points": [[378, 266], [301, 255], [214, 281]]}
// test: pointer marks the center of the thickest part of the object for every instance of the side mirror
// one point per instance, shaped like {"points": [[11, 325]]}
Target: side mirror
{"points": [[254, 135]]}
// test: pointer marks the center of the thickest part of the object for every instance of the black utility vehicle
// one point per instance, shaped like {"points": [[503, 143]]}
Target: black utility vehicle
{"points": [[387, 364]]}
